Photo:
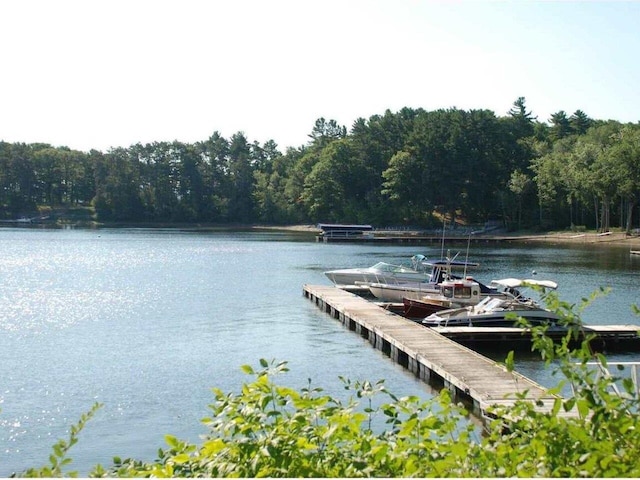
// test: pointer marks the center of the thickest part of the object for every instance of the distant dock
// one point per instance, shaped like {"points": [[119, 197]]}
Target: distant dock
{"points": [[416, 239], [452, 238], [339, 233]]}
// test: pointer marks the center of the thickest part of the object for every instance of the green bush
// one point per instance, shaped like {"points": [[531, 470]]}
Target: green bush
{"points": [[269, 430]]}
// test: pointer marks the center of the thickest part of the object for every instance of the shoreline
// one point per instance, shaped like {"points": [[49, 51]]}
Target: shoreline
{"points": [[591, 238], [571, 238]]}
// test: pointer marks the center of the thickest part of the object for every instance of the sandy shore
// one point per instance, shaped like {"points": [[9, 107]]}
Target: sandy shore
{"points": [[609, 238]]}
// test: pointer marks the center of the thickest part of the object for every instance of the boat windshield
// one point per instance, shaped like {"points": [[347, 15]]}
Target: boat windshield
{"points": [[482, 305], [489, 305], [390, 268]]}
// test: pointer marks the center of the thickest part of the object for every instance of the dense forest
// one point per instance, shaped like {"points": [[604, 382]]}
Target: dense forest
{"points": [[408, 168]]}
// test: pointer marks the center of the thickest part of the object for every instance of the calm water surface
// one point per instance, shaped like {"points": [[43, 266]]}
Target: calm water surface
{"points": [[148, 321]]}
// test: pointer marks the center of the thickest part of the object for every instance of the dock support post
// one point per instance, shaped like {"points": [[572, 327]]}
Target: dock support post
{"points": [[394, 353], [423, 372], [413, 365], [385, 346]]}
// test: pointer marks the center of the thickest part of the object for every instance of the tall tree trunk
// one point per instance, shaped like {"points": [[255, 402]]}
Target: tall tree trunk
{"points": [[519, 212], [630, 205], [571, 210], [503, 206], [540, 209], [605, 220]]}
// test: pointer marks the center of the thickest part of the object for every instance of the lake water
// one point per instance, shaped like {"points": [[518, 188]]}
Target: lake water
{"points": [[148, 321]]}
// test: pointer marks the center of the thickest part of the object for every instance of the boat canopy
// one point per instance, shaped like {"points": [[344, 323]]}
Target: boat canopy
{"points": [[516, 282]]}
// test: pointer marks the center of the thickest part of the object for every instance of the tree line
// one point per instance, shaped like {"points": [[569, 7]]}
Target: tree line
{"points": [[408, 167]]}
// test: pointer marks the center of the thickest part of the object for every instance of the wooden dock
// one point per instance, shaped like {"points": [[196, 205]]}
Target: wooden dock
{"points": [[606, 338], [429, 354]]}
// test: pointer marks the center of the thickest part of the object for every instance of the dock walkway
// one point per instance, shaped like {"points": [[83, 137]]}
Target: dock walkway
{"points": [[605, 338], [427, 353]]}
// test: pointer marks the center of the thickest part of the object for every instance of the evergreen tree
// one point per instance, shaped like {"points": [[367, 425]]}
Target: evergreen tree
{"points": [[560, 125], [580, 122]]}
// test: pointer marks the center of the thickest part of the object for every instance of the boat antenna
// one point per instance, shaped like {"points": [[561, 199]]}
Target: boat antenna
{"points": [[444, 222], [466, 260]]}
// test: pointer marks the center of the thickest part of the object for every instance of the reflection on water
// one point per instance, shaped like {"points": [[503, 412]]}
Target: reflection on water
{"points": [[147, 321]]}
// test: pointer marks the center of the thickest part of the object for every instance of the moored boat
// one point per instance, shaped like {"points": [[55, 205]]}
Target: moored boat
{"points": [[382, 272], [498, 311], [441, 270], [451, 294]]}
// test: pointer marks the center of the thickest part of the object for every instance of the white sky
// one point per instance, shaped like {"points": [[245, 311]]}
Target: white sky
{"points": [[108, 73]]}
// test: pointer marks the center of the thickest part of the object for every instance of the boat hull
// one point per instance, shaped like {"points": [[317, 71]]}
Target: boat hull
{"points": [[415, 308], [493, 319]]}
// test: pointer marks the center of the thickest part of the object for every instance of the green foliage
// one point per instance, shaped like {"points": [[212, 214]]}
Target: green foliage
{"points": [[269, 430]]}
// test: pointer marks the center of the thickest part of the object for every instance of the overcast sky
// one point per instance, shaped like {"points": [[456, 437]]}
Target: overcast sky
{"points": [[111, 73]]}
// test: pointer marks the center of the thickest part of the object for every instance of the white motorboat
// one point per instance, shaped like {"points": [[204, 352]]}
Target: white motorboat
{"points": [[382, 272], [441, 270], [499, 311]]}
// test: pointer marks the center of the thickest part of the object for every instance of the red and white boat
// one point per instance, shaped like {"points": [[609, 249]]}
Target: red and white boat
{"points": [[453, 293]]}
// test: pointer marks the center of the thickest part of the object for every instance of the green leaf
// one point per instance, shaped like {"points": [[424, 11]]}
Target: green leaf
{"points": [[247, 369], [569, 404], [181, 458], [57, 449], [509, 362], [583, 407], [171, 441]]}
